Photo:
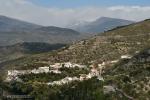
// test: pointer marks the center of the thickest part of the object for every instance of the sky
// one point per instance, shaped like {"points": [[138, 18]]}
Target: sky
{"points": [[80, 3], [64, 13]]}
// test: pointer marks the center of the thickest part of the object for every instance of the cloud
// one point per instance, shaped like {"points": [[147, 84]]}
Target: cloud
{"points": [[129, 8], [25, 10], [131, 12]]}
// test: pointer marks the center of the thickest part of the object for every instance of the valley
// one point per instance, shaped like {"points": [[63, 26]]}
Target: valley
{"points": [[113, 65]]}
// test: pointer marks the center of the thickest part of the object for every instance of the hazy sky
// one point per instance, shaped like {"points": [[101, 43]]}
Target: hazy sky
{"points": [[64, 12], [80, 3]]}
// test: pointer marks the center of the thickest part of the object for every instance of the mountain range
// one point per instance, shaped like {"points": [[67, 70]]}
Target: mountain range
{"points": [[100, 25], [16, 35], [14, 31]]}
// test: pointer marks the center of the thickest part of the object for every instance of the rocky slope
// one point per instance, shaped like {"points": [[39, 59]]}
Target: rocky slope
{"points": [[131, 76]]}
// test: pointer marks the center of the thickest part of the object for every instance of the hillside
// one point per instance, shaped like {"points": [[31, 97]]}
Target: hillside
{"points": [[56, 31], [132, 76], [128, 79], [127, 40], [100, 25], [23, 49], [14, 31], [106, 47], [111, 66]]}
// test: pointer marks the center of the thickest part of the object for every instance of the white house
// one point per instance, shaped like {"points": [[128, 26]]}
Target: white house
{"points": [[56, 66], [114, 61], [12, 73], [68, 64], [89, 76], [44, 69], [94, 72], [35, 71], [100, 78], [126, 57], [79, 66], [83, 77], [63, 81]]}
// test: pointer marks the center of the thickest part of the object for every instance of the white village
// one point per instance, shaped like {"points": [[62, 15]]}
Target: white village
{"points": [[94, 71]]}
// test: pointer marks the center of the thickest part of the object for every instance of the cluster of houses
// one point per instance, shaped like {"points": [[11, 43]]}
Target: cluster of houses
{"points": [[81, 78], [95, 71], [66, 65], [63, 81], [13, 74]]}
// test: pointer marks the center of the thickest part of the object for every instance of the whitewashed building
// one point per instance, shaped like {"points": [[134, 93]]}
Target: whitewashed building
{"points": [[126, 57], [44, 69]]}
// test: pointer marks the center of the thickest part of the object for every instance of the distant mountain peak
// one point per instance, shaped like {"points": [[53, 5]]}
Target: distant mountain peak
{"points": [[101, 24], [103, 18]]}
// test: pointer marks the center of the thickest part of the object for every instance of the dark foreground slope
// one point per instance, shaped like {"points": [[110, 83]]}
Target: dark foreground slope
{"points": [[19, 50], [132, 77]]}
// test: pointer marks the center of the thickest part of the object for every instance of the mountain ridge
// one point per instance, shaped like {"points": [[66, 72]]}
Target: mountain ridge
{"points": [[14, 31], [101, 24], [12, 24]]}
